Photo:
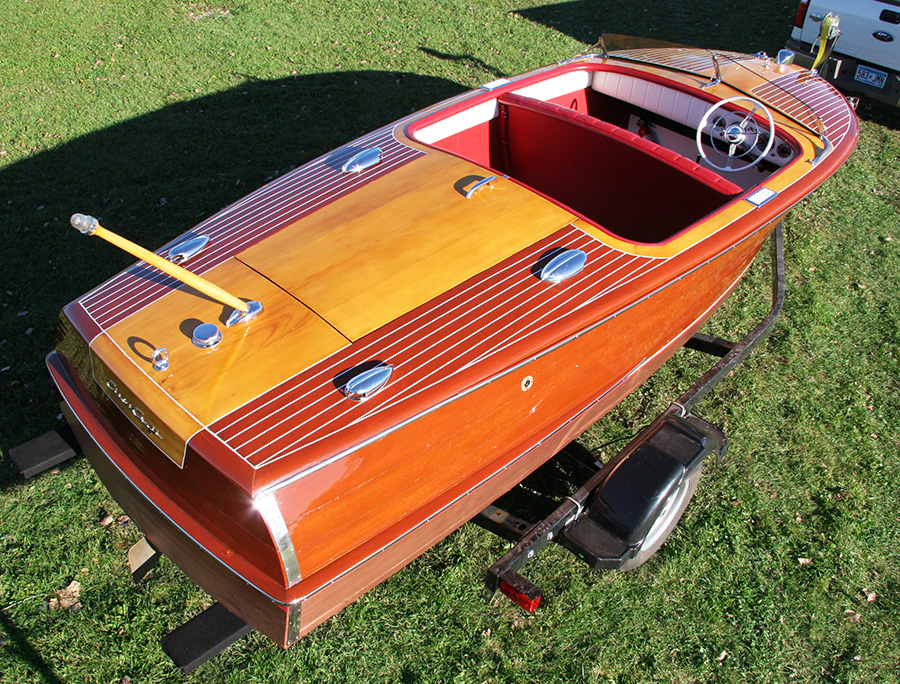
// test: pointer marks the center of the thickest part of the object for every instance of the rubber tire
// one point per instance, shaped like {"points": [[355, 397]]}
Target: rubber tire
{"points": [[666, 522]]}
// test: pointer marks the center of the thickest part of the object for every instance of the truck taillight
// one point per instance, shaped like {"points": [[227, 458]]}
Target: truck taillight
{"points": [[801, 13]]}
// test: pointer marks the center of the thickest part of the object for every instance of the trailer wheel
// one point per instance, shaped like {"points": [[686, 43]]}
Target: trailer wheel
{"points": [[665, 523]]}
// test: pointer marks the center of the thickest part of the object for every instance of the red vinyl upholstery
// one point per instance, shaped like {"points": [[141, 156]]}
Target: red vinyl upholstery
{"points": [[631, 186]]}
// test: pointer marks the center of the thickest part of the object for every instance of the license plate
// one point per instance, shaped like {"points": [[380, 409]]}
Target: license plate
{"points": [[872, 77]]}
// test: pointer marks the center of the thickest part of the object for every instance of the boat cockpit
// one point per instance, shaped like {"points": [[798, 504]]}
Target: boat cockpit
{"points": [[623, 151]]}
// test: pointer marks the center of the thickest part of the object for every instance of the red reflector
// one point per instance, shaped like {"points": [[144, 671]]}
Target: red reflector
{"points": [[801, 13], [520, 598]]}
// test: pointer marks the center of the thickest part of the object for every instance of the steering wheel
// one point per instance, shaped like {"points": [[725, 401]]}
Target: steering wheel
{"points": [[736, 134]]}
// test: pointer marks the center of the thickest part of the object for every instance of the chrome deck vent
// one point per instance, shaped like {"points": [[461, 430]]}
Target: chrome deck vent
{"points": [[187, 249], [367, 383], [564, 265], [361, 161]]}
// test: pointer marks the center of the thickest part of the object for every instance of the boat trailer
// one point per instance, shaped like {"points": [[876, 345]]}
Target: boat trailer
{"points": [[626, 509], [615, 520]]}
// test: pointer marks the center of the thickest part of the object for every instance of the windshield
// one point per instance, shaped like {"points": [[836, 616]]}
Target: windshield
{"points": [[789, 92]]}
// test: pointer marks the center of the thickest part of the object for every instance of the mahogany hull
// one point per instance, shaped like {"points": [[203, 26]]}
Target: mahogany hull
{"points": [[286, 495], [574, 384], [393, 475]]}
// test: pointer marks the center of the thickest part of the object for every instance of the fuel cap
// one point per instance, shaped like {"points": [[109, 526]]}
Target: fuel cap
{"points": [[207, 336]]}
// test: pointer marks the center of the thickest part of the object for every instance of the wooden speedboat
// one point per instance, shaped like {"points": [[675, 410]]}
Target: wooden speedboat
{"points": [[427, 314]]}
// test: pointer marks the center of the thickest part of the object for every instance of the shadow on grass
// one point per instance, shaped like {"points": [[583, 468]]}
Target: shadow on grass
{"points": [[17, 646], [539, 494], [879, 114], [752, 29], [463, 59], [150, 179]]}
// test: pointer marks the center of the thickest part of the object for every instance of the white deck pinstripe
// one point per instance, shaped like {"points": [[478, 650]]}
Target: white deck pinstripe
{"points": [[249, 220], [444, 339], [504, 306]]}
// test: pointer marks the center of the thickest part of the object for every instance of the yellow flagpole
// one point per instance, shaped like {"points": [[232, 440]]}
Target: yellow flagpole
{"points": [[89, 226]]}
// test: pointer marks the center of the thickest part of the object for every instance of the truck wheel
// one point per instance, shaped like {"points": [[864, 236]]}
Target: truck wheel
{"points": [[665, 523]]}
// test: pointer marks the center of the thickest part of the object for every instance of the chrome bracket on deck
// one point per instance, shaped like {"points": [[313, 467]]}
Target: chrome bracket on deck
{"points": [[589, 53], [237, 316], [825, 150], [716, 79]]}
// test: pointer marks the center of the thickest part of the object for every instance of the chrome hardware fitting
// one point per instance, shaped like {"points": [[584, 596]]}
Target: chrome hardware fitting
{"points": [[824, 153], [84, 223], [563, 266], [483, 183], [527, 383], [785, 57], [493, 85], [368, 383], [207, 336], [716, 78], [361, 161], [187, 249], [237, 316], [160, 359], [590, 53], [826, 150]]}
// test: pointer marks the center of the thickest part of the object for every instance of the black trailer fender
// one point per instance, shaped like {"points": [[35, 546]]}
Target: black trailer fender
{"points": [[643, 492]]}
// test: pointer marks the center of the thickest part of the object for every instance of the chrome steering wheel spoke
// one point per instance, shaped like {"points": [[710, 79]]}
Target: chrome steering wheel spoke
{"points": [[736, 130]]}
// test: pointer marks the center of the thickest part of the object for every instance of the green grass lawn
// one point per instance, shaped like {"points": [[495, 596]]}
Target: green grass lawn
{"points": [[153, 114]]}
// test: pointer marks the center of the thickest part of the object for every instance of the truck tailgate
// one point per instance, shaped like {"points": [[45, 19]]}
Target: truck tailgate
{"points": [[870, 30]]}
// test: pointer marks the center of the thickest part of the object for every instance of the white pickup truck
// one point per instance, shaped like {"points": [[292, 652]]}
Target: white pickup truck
{"points": [[866, 59]]}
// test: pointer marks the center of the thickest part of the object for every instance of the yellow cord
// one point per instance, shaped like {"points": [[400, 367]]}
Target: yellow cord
{"points": [[824, 35], [164, 265]]}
